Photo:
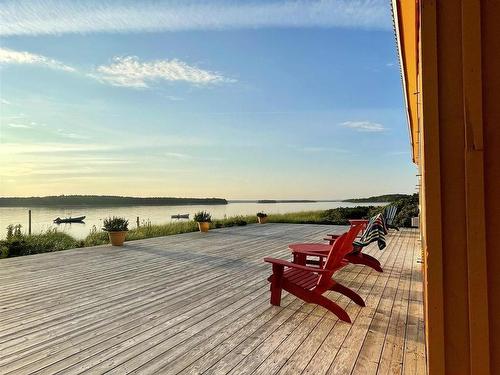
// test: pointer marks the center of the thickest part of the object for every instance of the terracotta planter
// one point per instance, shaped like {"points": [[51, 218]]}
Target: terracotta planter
{"points": [[262, 220], [203, 226], [117, 238]]}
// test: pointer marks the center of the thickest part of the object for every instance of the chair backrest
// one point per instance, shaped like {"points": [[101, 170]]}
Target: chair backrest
{"points": [[375, 231], [340, 248], [349, 245], [390, 214]]}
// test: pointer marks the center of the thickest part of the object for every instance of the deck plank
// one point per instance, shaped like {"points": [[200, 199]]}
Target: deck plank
{"points": [[199, 303]]}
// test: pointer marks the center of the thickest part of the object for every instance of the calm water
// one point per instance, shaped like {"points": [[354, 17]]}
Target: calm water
{"points": [[42, 217]]}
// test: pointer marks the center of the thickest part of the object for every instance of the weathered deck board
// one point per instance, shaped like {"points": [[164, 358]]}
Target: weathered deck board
{"points": [[199, 303]]}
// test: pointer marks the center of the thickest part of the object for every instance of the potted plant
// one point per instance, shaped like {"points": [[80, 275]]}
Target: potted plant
{"points": [[117, 228], [203, 218], [262, 217]]}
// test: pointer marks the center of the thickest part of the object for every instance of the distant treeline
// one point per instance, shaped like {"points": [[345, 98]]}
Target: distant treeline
{"points": [[285, 201], [104, 200], [378, 198]]}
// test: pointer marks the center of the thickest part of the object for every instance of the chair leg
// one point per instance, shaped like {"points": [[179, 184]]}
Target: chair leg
{"points": [[276, 284], [372, 259], [333, 307], [376, 267], [366, 261], [355, 297], [311, 297], [299, 258]]}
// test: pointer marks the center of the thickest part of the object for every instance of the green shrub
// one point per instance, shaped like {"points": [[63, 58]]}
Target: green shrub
{"points": [[115, 224], [18, 244], [96, 237], [341, 215], [150, 231], [4, 251], [234, 221], [407, 208], [375, 210], [334, 216]]}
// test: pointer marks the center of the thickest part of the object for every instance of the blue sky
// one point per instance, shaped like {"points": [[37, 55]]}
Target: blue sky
{"points": [[275, 99]]}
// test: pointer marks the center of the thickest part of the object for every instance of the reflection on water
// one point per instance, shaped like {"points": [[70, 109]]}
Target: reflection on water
{"points": [[42, 218]]}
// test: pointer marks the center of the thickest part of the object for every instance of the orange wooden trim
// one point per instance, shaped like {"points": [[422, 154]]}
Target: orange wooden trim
{"points": [[474, 174], [432, 189], [396, 11]]}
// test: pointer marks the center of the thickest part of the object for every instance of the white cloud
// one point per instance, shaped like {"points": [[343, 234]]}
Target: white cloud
{"points": [[177, 155], [174, 98], [397, 153], [364, 126], [131, 72], [20, 126], [4, 101], [49, 148], [182, 156], [68, 16], [65, 134], [126, 71], [19, 116], [314, 149], [8, 56], [46, 166]]}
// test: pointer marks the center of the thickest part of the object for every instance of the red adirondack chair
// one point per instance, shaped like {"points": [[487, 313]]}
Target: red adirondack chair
{"points": [[352, 222], [310, 283], [302, 252]]}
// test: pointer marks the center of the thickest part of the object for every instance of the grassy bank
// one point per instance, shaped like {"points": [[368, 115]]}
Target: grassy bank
{"points": [[159, 230], [18, 244]]}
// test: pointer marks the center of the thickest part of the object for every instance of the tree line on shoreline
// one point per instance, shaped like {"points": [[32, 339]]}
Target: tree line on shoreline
{"points": [[104, 200]]}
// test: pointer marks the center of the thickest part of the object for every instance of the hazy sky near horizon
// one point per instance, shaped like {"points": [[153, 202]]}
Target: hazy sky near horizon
{"points": [[234, 99]]}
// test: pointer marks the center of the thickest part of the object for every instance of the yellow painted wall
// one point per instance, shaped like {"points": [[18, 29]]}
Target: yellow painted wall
{"points": [[458, 112]]}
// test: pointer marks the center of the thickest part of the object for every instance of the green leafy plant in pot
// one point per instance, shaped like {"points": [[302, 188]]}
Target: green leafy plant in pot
{"points": [[262, 217], [117, 228], [203, 218]]}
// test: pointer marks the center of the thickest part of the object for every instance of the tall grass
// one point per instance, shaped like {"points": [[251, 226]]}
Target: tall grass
{"points": [[148, 230], [304, 217], [335, 216], [145, 231], [48, 241]]}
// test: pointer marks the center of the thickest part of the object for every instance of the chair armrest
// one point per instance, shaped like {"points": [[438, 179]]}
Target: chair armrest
{"points": [[319, 253], [285, 263], [333, 236]]}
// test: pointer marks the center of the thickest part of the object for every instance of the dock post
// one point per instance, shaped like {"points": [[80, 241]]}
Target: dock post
{"points": [[137, 221], [29, 222]]}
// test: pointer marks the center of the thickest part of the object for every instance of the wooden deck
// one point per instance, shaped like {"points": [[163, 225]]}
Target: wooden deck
{"points": [[199, 303]]}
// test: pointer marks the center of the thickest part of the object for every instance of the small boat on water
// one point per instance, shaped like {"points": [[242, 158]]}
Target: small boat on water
{"points": [[180, 216], [78, 219]]}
